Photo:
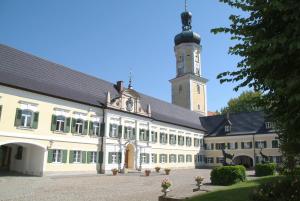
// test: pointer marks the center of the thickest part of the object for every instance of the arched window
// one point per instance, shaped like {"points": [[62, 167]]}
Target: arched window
{"points": [[198, 88]]}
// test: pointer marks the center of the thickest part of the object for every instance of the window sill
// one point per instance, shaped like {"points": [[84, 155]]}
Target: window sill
{"points": [[25, 128], [81, 135], [59, 132]]}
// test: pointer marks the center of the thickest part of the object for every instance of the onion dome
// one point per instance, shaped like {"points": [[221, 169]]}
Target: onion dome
{"points": [[187, 35]]}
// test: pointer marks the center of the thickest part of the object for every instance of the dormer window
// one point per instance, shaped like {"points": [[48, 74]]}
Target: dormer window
{"points": [[269, 125], [227, 128]]}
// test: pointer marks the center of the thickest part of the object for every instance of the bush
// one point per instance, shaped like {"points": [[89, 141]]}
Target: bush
{"points": [[265, 169], [228, 175], [283, 189]]}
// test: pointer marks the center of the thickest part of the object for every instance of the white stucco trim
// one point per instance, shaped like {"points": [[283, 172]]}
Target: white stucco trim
{"points": [[67, 139]]}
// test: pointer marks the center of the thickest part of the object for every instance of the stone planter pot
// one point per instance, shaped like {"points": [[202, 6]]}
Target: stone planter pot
{"points": [[167, 172], [115, 173], [147, 173]]}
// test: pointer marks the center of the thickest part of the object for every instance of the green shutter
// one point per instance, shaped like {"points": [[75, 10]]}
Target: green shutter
{"points": [[119, 159], [147, 134], [110, 157], [67, 125], [18, 117], [85, 127], [120, 131], [0, 111], [133, 136], [50, 156], [102, 129], [65, 156], [35, 120], [91, 131], [83, 156], [242, 145], [73, 129], [53, 123], [110, 129], [125, 132], [89, 157], [100, 157], [71, 156]]}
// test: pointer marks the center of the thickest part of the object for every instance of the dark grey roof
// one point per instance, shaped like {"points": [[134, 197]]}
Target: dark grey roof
{"points": [[244, 123], [28, 72]]}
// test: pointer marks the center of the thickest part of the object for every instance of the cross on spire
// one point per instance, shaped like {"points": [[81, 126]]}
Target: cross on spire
{"points": [[185, 5], [130, 81]]}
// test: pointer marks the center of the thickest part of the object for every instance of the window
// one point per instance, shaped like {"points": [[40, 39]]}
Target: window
{"points": [[163, 158], [196, 142], [208, 160], [172, 158], [188, 158], [113, 130], [180, 140], [246, 145], [260, 144], [180, 158], [230, 145], [153, 136], [163, 138], [95, 126], [77, 156], [270, 125], [236, 145], [198, 88], [57, 156], [129, 133], [144, 135], [227, 128], [93, 157], [180, 88], [79, 126], [172, 139], [275, 144], [144, 157], [198, 106], [154, 158], [220, 146], [188, 141], [60, 123], [220, 159], [27, 118], [114, 157]]}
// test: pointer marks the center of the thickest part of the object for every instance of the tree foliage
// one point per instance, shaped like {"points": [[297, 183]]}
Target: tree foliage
{"points": [[248, 101], [268, 42]]}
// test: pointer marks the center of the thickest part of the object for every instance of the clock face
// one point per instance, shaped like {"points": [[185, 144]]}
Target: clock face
{"points": [[129, 104]]}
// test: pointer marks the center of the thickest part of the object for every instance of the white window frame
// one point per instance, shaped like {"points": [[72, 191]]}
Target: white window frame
{"points": [[60, 123], [79, 124], [209, 160], [114, 130], [163, 158], [180, 158], [28, 118], [114, 158], [77, 157], [270, 125], [227, 128], [57, 156], [152, 158], [94, 157]]}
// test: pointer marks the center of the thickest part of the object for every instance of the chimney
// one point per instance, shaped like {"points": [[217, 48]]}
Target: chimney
{"points": [[120, 86]]}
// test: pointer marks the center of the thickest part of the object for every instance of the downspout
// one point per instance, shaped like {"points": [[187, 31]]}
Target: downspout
{"points": [[254, 153], [102, 140]]}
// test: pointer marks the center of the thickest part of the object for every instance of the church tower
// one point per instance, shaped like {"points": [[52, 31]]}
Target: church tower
{"points": [[188, 87]]}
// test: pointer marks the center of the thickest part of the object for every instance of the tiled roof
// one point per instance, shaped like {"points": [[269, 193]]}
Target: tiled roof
{"points": [[241, 124], [28, 72]]}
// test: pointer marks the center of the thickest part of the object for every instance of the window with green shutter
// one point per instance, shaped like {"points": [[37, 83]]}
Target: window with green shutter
{"points": [[65, 156], [53, 122], [50, 156], [154, 158], [113, 130], [18, 118], [153, 136], [73, 128], [35, 122], [114, 157], [83, 158], [71, 156], [85, 127], [67, 125], [120, 128]]}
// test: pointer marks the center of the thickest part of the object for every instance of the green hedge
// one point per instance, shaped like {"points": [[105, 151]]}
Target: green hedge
{"points": [[265, 169], [283, 189], [228, 175]]}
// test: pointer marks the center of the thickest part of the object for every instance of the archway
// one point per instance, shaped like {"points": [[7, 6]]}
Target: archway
{"points": [[129, 156], [25, 158], [244, 160]]}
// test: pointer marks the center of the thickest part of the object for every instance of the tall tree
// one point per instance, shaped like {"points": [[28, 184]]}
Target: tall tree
{"points": [[268, 42], [248, 101]]}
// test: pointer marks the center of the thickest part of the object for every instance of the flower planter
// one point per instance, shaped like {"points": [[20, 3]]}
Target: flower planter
{"points": [[157, 169], [167, 171], [147, 173]]}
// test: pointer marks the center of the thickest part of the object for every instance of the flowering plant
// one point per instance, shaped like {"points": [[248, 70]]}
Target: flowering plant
{"points": [[165, 184], [157, 169], [114, 170], [199, 179]]}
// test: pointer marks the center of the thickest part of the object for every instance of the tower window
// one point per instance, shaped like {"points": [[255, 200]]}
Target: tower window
{"points": [[198, 106], [180, 88], [198, 88]]}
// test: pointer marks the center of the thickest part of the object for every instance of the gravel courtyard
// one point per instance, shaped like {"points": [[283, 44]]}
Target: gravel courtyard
{"points": [[129, 187]]}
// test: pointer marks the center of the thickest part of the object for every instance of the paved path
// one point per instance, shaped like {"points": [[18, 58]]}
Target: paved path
{"points": [[129, 187]]}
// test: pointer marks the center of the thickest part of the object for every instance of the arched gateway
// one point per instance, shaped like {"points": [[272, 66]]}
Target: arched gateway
{"points": [[129, 156], [25, 158], [244, 160]]}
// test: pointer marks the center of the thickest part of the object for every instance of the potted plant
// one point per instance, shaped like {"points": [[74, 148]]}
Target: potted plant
{"points": [[114, 171], [157, 169], [199, 181], [147, 172], [165, 184], [167, 171]]}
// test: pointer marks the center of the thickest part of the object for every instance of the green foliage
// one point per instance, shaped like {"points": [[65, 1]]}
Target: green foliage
{"points": [[265, 169], [227, 175], [268, 42], [284, 189], [248, 101]]}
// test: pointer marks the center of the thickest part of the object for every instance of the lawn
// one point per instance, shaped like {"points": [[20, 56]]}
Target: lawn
{"points": [[236, 192]]}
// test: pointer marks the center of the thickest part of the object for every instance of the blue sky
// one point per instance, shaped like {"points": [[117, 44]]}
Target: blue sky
{"points": [[108, 38]]}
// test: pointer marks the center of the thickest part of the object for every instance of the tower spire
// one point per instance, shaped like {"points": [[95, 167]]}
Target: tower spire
{"points": [[130, 81]]}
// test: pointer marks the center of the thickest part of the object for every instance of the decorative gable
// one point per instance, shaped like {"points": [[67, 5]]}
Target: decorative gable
{"points": [[129, 101]]}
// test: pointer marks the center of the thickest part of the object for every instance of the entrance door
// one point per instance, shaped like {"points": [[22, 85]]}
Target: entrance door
{"points": [[129, 156]]}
